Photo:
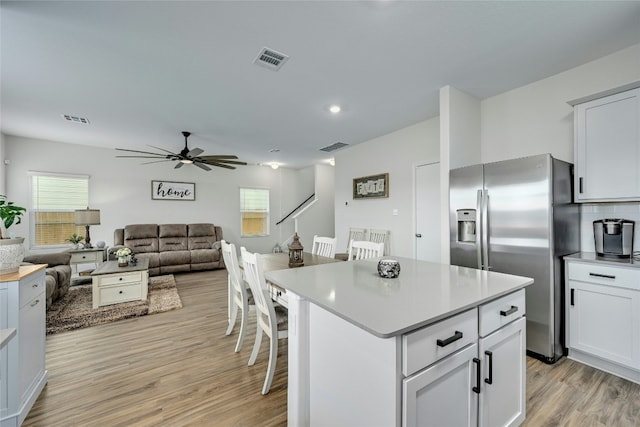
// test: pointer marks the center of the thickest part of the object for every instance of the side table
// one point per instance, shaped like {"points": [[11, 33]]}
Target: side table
{"points": [[87, 256]]}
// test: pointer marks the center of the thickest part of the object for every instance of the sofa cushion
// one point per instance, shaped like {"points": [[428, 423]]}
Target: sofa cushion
{"points": [[201, 236], [141, 238], [60, 258], [173, 237]]}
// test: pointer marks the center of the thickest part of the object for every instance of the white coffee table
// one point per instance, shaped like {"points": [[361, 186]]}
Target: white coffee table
{"points": [[113, 284]]}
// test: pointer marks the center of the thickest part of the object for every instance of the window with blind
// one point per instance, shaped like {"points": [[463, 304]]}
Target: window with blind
{"points": [[54, 199], [254, 212]]}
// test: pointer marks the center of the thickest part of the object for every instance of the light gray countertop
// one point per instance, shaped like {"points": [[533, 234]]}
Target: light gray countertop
{"points": [[6, 335], [424, 293], [591, 257]]}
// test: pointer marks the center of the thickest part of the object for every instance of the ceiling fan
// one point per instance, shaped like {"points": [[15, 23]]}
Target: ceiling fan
{"points": [[186, 156]]}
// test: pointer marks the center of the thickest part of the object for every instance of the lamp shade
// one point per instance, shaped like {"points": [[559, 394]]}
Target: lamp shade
{"points": [[88, 217]]}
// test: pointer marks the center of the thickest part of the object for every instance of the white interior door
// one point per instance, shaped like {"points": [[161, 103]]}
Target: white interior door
{"points": [[427, 199]]}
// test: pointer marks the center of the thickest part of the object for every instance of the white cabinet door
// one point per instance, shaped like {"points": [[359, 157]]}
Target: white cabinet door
{"points": [[607, 148], [32, 345], [502, 393], [604, 321], [442, 395]]}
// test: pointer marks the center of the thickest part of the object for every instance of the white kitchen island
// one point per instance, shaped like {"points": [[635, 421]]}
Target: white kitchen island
{"points": [[407, 351]]}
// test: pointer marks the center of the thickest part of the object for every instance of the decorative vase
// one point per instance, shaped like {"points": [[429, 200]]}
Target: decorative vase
{"points": [[11, 254], [123, 261], [388, 268]]}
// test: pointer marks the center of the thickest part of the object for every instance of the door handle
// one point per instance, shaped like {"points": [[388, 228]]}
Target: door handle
{"points": [[490, 379], [512, 310], [452, 338], [477, 387], [418, 235]]}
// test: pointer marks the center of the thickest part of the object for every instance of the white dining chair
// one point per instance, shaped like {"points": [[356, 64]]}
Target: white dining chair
{"points": [[271, 320], [356, 233], [362, 249], [324, 246], [380, 236], [241, 298]]}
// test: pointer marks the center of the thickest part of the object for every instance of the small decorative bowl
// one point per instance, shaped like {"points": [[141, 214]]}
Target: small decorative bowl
{"points": [[388, 268]]}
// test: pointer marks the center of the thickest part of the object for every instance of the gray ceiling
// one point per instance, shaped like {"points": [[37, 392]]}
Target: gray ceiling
{"points": [[141, 72]]}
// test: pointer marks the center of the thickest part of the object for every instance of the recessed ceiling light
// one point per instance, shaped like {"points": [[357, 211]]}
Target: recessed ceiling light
{"points": [[332, 162], [334, 109], [275, 165]]}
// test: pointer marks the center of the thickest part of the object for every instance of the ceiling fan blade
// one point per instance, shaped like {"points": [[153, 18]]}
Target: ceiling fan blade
{"points": [[220, 165], [218, 157], [229, 162], [158, 156], [195, 152], [162, 149], [202, 166], [157, 161], [138, 151], [178, 165]]}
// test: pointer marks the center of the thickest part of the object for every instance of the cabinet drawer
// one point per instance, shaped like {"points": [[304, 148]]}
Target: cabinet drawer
{"points": [[116, 279], [427, 345], [504, 310], [624, 277], [30, 288], [79, 258], [116, 294]]}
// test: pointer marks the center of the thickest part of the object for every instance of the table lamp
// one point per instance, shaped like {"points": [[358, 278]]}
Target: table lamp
{"points": [[87, 217]]}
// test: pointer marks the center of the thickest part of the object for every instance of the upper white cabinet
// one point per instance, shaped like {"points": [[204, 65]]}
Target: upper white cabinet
{"points": [[607, 147]]}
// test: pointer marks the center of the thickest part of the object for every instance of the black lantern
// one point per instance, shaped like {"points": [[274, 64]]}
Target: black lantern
{"points": [[295, 252]]}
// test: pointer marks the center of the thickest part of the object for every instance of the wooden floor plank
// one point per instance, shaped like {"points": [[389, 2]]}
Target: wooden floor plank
{"points": [[179, 369]]}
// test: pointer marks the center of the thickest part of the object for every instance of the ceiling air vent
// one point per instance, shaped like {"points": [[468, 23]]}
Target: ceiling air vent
{"points": [[334, 147], [76, 119], [270, 59]]}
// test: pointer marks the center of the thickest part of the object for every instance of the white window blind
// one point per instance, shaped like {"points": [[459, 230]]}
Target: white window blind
{"points": [[54, 199], [254, 212]]}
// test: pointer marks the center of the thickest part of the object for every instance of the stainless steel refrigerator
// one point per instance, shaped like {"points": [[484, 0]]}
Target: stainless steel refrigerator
{"points": [[518, 217]]}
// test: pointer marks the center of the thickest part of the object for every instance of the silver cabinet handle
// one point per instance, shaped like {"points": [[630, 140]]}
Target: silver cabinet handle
{"points": [[606, 276], [418, 235]]}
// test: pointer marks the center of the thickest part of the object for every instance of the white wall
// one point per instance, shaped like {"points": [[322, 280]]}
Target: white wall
{"points": [[536, 119], [397, 154], [121, 189], [459, 146], [3, 178], [320, 218]]}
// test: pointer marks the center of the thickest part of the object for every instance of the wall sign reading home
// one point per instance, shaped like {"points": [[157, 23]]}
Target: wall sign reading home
{"points": [[167, 190], [369, 187]]}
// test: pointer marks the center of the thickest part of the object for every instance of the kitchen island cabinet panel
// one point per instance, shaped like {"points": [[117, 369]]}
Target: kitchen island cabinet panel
{"points": [[350, 332]]}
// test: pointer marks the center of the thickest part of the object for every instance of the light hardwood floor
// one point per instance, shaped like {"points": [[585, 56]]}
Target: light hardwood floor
{"points": [[179, 369]]}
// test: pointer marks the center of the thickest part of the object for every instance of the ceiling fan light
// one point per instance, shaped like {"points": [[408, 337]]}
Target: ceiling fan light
{"points": [[186, 161]]}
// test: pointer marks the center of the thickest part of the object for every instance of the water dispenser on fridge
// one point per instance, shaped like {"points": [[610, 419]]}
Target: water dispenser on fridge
{"points": [[466, 225]]}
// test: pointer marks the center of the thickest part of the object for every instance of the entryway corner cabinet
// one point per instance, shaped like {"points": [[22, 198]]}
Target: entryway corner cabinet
{"points": [[22, 360], [603, 315], [607, 146]]}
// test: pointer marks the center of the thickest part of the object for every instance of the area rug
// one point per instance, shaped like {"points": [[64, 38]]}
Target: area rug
{"points": [[75, 309]]}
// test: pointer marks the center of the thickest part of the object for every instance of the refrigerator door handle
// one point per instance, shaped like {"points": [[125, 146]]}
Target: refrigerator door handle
{"points": [[479, 230], [485, 230]]}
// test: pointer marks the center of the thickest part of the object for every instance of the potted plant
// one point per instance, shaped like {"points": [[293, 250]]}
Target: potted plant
{"points": [[11, 249], [75, 239]]}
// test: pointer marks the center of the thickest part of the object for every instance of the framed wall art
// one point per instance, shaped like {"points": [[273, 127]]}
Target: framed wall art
{"points": [[370, 187], [169, 190]]}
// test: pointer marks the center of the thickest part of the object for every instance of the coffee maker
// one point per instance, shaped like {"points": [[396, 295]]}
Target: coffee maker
{"points": [[613, 237]]}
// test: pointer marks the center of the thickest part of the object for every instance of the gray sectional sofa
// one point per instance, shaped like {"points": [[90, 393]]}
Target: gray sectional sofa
{"points": [[57, 273], [172, 248]]}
